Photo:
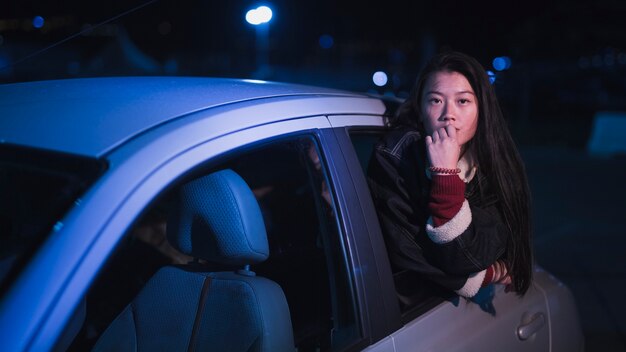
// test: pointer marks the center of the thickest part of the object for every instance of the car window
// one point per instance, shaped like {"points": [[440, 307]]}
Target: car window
{"points": [[307, 258], [415, 295], [36, 189]]}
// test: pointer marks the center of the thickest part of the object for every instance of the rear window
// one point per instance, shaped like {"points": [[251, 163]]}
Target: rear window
{"points": [[36, 189]]}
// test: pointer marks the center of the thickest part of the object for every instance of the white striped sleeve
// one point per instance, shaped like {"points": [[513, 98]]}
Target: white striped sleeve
{"points": [[451, 229]]}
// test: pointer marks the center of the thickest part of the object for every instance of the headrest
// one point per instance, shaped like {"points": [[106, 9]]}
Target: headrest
{"points": [[217, 218]]}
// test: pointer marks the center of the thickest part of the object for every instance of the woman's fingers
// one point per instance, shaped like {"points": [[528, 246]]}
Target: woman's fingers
{"points": [[451, 131], [505, 280], [444, 133], [501, 273], [435, 136], [443, 148]]}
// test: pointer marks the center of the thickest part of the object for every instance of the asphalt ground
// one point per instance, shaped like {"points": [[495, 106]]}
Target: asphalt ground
{"points": [[579, 222]]}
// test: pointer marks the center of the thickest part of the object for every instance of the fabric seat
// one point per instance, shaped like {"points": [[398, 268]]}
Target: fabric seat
{"points": [[217, 219]]}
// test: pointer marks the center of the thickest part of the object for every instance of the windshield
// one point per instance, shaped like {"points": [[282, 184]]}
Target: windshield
{"points": [[36, 189]]}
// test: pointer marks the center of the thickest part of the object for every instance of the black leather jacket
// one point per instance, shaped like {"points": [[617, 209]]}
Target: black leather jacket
{"points": [[400, 187]]}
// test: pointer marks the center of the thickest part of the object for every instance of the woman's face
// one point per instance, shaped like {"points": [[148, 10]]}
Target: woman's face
{"points": [[448, 98]]}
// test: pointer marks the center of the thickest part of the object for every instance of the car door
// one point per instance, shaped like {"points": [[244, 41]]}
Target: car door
{"points": [[493, 321], [290, 168]]}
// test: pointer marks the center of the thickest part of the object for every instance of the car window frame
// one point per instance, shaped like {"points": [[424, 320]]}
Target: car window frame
{"points": [[380, 307]]}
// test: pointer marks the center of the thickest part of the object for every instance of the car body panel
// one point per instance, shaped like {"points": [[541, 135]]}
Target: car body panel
{"points": [[547, 296], [92, 116], [465, 326], [565, 331]]}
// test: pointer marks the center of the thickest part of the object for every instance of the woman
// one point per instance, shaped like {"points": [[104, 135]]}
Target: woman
{"points": [[449, 185]]}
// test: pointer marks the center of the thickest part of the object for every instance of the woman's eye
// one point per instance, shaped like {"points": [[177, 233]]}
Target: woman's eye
{"points": [[434, 100], [464, 101]]}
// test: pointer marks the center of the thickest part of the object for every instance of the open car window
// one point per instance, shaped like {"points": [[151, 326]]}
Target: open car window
{"points": [[415, 295], [307, 256]]}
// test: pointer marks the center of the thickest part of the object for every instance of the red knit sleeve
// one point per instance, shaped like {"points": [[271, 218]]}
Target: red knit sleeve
{"points": [[488, 276], [447, 194]]}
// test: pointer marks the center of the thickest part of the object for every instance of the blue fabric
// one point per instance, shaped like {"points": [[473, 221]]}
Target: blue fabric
{"points": [[165, 310], [219, 219], [241, 313], [160, 318], [254, 316], [120, 335]]}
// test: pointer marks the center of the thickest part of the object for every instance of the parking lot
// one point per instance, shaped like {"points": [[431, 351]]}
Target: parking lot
{"points": [[579, 213]]}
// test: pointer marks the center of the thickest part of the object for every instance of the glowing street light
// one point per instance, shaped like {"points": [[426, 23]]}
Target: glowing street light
{"points": [[260, 19], [260, 15]]}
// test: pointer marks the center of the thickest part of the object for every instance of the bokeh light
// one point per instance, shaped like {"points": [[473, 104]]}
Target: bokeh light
{"points": [[501, 63], [261, 14], [492, 77], [326, 41], [379, 78], [38, 22]]}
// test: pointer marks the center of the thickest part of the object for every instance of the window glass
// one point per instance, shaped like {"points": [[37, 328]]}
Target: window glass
{"points": [[415, 295], [307, 258], [37, 188]]}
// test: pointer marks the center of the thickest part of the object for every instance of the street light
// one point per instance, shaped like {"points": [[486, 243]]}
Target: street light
{"points": [[260, 19]]}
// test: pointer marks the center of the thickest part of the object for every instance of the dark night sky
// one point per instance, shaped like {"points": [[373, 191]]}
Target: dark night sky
{"points": [[529, 30], [569, 57]]}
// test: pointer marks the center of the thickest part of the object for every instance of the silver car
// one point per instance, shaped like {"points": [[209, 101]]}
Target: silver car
{"points": [[148, 213]]}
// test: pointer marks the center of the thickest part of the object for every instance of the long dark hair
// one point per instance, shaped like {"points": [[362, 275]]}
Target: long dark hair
{"points": [[496, 154]]}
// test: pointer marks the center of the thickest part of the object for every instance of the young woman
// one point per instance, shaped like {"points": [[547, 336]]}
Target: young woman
{"points": [[449, 185]]}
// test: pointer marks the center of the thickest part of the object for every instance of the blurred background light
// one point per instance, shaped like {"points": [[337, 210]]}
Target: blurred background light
{"points": [[261, 14], [326, 41], [492, 76], [38, 22], [265, 13], [501, 63], [379, 78]]}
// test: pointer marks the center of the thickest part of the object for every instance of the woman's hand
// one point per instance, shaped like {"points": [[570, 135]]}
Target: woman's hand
{"points": [[501, 273], [443, 148]]}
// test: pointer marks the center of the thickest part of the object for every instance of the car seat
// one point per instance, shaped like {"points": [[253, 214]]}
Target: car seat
{"points": [[216, 218]]}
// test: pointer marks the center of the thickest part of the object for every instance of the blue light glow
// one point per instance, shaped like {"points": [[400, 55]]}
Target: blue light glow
{"points": [[379, 78], [255, 81], [260, 15], [326, 41], [501, 63], [492, 76], [38, 21]]}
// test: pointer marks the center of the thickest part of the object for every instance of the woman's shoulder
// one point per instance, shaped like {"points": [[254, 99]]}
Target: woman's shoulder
{"points": [[398, 140]]}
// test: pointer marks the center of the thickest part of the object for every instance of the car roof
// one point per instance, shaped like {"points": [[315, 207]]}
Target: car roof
{"points": [[89, 116]]}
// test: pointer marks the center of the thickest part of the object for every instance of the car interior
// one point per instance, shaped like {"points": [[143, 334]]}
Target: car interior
{"points": [[216, 218], [156, 266]]}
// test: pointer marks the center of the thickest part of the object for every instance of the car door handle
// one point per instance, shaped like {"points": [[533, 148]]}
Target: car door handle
{"points": [[527, 329]]}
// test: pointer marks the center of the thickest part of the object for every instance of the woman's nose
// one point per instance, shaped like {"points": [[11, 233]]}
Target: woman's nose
{"points": [[447, 114], [448, 118]]}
